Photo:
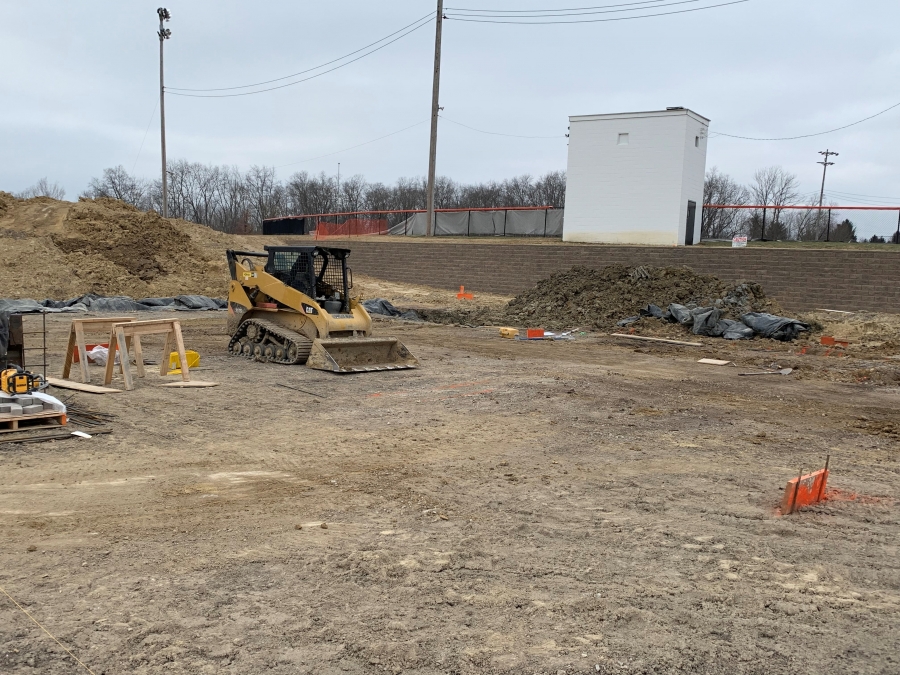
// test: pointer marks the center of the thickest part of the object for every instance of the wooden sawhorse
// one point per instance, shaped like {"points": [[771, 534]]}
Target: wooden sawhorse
{"points": [[76, 340], [121, 336]]}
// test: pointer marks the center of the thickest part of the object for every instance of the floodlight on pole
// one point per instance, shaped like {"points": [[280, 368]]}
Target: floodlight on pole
{"points": [[164, 34]]}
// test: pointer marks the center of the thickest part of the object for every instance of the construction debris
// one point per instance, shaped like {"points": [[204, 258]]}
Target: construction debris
{"points": [[782, 371]]}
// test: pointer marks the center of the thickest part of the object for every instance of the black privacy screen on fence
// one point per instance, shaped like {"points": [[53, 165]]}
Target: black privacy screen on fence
{"points": [[287, 225]]}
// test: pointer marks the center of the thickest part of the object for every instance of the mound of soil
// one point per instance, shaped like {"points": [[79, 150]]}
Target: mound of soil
{"points": [[6, 201], [599, 298], [56, 249]]}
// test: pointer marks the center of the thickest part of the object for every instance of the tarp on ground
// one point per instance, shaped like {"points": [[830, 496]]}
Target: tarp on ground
{"points": [[119, 303], [385, 308]]}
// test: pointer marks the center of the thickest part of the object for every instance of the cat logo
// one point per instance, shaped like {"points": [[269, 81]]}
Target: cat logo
{"points": [[249, 275]]}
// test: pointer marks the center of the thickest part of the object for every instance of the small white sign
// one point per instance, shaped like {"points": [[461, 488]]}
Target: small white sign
{"points": [[739, 242]]}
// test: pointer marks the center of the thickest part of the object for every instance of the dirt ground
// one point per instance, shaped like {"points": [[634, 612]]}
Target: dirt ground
{"points": [[509, 507]]}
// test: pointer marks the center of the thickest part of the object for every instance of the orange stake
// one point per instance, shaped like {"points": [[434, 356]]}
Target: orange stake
{"points": [[462, 295]]}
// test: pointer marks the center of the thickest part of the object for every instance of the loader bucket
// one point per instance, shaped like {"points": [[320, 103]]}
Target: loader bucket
{"points": [[359, 355]]}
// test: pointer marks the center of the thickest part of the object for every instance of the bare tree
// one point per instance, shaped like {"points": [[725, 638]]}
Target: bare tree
{"points": [[379, 197], [550, 190], [482, 195], [353, 193], [446, 193], [312, 194], [266, 195], [720, 188], [773, 187], [43, 188], [410, 193], [117, 183], [227, 199]]}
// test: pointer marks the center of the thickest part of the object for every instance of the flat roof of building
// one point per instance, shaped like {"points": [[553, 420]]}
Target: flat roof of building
{"points": [[647, 113]]}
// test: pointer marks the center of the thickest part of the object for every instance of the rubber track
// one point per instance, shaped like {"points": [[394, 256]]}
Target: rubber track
{"points": [[303, 343]]}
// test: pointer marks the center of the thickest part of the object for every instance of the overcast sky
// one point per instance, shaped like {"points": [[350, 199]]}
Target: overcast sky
{"points": [[80, 87]]}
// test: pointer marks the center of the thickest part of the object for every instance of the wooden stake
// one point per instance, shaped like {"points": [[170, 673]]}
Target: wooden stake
{"points": [[796, 491]]}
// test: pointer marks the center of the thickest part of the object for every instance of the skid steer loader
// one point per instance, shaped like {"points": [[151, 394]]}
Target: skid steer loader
{"points": [[292, 304]]}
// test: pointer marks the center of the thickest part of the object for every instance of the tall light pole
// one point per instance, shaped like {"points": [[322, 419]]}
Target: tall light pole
{"points": [[435, 109], [164, 34], [825, 164]]}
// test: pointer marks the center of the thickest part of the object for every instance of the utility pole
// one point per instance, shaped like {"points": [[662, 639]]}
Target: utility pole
{"points": [[339, 188], [435, 109], [164, 34], [825, 164]]}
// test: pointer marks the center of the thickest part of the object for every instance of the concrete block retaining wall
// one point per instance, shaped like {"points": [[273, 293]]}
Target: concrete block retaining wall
{"points": [[800, 279]]}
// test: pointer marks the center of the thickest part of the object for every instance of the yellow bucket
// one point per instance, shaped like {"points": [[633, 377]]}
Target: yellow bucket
{"points": [[193, 361]]}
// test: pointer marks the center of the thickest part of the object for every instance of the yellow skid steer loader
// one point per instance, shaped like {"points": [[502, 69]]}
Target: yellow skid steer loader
{"points": [[292, 304]]}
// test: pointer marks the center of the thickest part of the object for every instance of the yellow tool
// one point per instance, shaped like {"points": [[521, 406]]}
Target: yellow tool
{"points": [[15, 380], [509, 332], [296, 308], [193, 359]]}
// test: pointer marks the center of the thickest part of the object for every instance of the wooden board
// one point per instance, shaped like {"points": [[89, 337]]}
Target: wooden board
{"points": [[80, 386], [192, 383], [651, 339], [714, 362]]}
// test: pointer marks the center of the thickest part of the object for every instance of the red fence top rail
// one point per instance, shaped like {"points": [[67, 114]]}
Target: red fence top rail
{"points": [[374, 213], [807, 208]]}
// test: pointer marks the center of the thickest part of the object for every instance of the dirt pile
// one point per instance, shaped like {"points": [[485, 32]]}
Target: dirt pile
{"points": [[599, 298], [6, 201], [58, 250]]}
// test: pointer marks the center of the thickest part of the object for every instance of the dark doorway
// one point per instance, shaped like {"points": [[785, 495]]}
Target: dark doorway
{"points": [[689, 228]]}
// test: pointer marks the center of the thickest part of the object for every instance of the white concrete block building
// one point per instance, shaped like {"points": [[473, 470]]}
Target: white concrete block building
{"points": [[636, 178]]}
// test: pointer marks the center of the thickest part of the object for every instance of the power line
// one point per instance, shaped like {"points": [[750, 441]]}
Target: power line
{"points": [[856, 194], [146, 131], [311, 77], [820, 133], [352, 147], [854, 200], [308, 70], [547, 11], [618, 18], [494, 133], [584, 13]]}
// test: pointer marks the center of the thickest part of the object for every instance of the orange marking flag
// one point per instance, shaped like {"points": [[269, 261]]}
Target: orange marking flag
{"points": [[810, 491]]}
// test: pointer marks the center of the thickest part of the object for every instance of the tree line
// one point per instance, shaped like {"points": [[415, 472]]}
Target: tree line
{"points": [[234, 201], [774, 188]]}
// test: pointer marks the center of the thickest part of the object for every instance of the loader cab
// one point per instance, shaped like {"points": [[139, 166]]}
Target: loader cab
{"points": [[318, 272]]}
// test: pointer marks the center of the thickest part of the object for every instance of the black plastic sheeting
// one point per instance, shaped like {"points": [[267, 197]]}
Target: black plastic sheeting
{"points": [[4, 334], [384, 307], [118, 303], [775, 327], [708, 321]]}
